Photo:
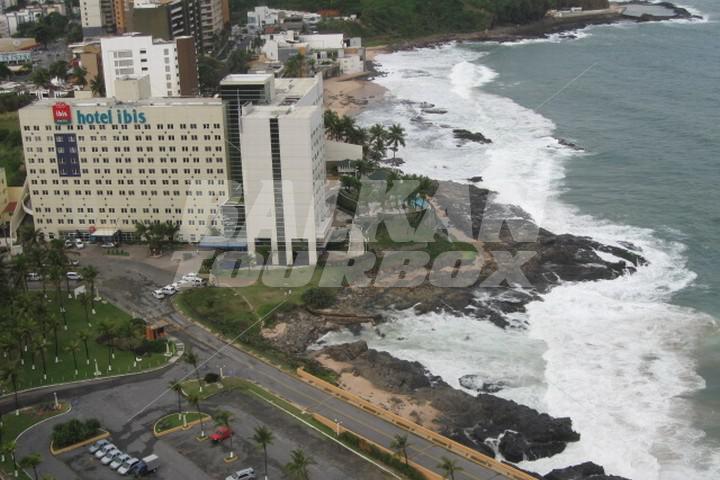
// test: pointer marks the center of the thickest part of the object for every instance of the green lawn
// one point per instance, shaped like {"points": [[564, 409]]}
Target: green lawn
{"points": [[13, 425], [174, 420], [64, 369]]}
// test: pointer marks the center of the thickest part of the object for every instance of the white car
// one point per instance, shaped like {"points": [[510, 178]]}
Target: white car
{"points": [[159, 294], [69, 243], [73, 276], [79, 243], [169, 290], [108, 245], [98, 445], [110, 456], [119, 460], [34, 277], [102, 451], [197, 282], [247, 474], [125, 467], [190, 276]]}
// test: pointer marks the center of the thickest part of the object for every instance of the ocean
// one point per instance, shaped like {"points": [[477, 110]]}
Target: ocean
{"points": [[635, 362]]}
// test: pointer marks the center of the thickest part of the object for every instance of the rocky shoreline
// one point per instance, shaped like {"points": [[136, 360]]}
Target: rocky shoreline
{"points": [[495, 426], [549, 26]]}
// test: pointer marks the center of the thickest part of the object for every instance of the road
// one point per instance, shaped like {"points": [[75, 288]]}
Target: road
{"points": [[128, 282]]}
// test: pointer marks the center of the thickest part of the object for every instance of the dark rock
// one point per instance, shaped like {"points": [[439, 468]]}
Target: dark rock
{"points": [[474, 382], [475, 179], [515, 447], [435, 111], [467, 135], [584, 471], [346, 352], [569, 144]]}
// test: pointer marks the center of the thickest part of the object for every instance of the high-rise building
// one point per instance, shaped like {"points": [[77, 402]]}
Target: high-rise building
{"points": [[211, 21], [102, 164], [168, 19], [171, 65], [97, 17], [122, 9], [276, 153]]}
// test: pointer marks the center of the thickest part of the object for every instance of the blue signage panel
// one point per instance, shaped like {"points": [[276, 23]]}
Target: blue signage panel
{"points": [[67, 156]]}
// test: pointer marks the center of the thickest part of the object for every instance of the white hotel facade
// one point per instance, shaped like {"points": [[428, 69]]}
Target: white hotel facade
{"points": [[248, 167]]}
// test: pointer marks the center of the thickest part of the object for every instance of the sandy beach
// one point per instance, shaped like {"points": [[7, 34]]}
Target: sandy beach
{"points": [[349, 94]]}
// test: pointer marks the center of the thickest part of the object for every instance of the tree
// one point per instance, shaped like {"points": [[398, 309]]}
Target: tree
{"points": [[377, 136], [90, 274], [264, 438], [400, 445], [192, 359], [5, 72], [194, 400], [59, 69], [97, 85], [9, 449], [177, 387], [107, 332], [84, 336], [54, 323], [210, 72], [74, 348], [80, 74], [297, 468], [31, 461], [40, 77], [41, 347], [396, 137], [85, 300], [10, 372], [450, 467], [295, 66], [222, 419]]}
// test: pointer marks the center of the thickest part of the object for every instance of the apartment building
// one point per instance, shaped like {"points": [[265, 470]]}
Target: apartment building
{"points": [[168, 19], [97, 17], [171, 65], [10, 21], [103, 164], [122, 10], [276, 152]]}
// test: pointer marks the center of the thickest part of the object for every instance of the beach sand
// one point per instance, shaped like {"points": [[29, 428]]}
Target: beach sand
{"points": [[348, 95]]}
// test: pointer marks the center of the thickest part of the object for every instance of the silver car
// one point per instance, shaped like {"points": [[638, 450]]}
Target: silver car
{"points": [[110, 456], [102, 451], [98, 445], [119, 460], [125, 467]]}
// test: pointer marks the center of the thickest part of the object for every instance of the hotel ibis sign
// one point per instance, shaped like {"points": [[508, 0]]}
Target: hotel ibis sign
{"points": [[62, 113]]}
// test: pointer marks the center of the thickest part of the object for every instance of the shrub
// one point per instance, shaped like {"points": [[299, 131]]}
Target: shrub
{"points": [[388, 459], [211, 377], [319, 297], [150, 346], [74, 431]]}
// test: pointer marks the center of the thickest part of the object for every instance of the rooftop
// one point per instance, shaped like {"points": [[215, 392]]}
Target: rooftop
{"points": [[112, 102], [15, 44]]}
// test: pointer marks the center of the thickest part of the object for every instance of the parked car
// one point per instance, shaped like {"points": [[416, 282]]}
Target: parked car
{"points": [[190, 276], [198, 282], [119, 460], [73, 276], [69, 243], [34, 277], [79, 243], [146, 466], [179, 285], [108, 245], [111, 455], [246, 474], [127, 466], [159, 294], [169, 290], [97, 445], [102, 451], [221, 434]]}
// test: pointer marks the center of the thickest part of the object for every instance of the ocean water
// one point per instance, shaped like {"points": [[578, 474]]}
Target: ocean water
{"points": [[635, 362]]}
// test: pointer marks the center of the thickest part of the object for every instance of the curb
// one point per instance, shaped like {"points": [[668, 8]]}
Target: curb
{"points": [[179, 427], [75, 446]]}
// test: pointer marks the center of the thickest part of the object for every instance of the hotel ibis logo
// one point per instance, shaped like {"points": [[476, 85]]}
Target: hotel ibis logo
{"points": [[62, 113]]}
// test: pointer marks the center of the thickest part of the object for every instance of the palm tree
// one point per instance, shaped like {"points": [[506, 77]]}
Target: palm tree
{"points": [[450, 467], [85, 300], [396, 137], [20, 269], [400, 445], [107, 331], [222, 419], [80, 74], [74, 348], [54, 322], [84, 336], [297, 469], [90, 273], [10, 372], [192, 359], [263, 437], [176, 387], [41, 347], [194, 400], [97, 86], [9, 449], [377, 136], [31, 461]]}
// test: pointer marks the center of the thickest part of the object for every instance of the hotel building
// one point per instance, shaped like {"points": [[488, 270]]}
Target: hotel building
{"points": [[106, 163], [247, 169]]}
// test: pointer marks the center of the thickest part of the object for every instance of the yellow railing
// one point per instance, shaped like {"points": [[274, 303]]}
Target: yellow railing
{"points": [[419, 430]]}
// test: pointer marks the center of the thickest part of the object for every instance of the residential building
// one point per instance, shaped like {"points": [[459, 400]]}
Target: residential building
{"points": [[276, 155], [103, 164], [122, 10], [212, 21], [168, 19], [4, 4], [261, 17], [97, 17], [17, 52], [170, 65], [12, 20], [87, 55]]}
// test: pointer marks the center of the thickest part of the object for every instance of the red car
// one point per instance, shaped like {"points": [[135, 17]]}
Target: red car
{"points": [[222, 433]]}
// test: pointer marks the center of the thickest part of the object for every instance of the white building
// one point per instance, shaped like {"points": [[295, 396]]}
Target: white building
{"points": [[324, 41], [96, 17], [12, 20], [280, 166], [162, 61], [261, 17], [102, 164]]}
